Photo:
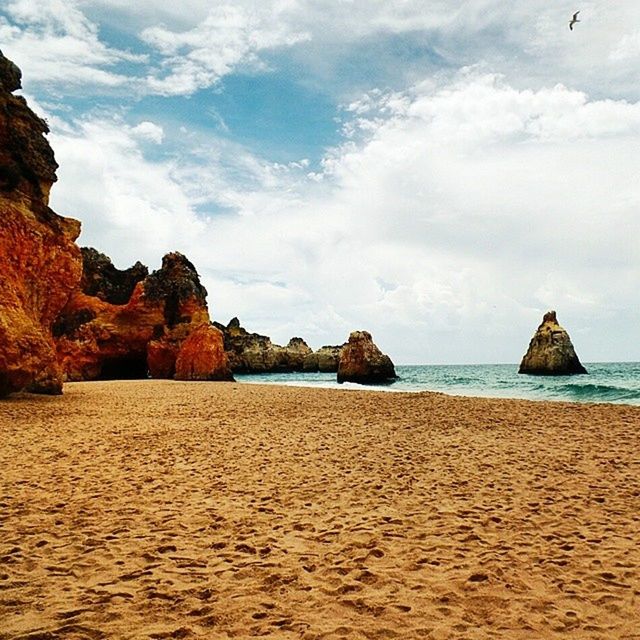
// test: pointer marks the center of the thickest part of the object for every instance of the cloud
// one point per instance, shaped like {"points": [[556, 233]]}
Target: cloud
{"points": [[447, 223], [148, 131], [199, 57], [182, 48], [58, 45]]}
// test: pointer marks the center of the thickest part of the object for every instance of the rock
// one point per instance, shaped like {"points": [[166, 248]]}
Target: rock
{"points": [[550, 351], [202, 356], [255, 353], [39, 261], [295, 352], [102, 280], [97, 339], [10, 75], [361, 361], [324, 359]]}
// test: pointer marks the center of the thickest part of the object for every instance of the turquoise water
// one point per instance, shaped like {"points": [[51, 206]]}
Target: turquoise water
{"points": [[617, 382]]}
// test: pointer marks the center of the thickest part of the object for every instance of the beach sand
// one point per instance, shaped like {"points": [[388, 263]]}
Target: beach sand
{"points": [[157, 509]]}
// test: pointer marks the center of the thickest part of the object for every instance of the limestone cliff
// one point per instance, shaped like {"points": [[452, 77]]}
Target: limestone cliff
{"points": [[551, 352], [39, 260]]}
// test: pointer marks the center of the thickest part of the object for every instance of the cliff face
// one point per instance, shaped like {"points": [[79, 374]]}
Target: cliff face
{"points": [[361, 361], [202, 356], [254, 353], [325, 359], [551, 352], [39, 260], [97, 339]]}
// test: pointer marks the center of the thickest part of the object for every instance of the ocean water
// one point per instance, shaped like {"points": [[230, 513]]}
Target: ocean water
{"points": [[617, 382]]}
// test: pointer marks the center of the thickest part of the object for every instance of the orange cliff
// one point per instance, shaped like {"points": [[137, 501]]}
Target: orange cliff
{"points": [[127, 324], [40, 261]]}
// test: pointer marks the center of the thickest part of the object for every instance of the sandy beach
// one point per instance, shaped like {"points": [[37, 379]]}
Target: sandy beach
{"points": [[158, 509]]}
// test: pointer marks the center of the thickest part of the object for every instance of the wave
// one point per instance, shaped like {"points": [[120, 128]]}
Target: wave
{"points": [[597, 392]]}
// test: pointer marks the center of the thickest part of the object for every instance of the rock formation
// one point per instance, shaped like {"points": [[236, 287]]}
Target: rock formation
{"points": [[99, 339], [254, 353], [361, 361], [324, 359], [39, 260], [550, 351], [102, 280], [202, 356]]}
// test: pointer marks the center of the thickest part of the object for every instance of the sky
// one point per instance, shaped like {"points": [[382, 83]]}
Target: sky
{"points": [[439, 173]]}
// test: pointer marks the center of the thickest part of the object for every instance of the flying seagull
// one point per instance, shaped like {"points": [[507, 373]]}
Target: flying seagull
{"points": [[574, 20]]}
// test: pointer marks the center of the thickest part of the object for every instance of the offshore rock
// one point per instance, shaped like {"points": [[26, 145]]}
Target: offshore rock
{"points": [[255, 353], [325, 359], [551, 352], [40, 264], [361, 361], [97, 339], [202, 356]]}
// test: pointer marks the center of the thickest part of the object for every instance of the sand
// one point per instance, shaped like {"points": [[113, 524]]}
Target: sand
{"points": [[216, 510]]}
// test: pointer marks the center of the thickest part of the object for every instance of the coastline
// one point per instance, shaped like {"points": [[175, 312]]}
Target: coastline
{"points": [[610, 382], [165, 509]]}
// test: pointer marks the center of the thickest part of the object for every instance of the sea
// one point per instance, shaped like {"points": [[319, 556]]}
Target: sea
{"points": [[615, 382]]}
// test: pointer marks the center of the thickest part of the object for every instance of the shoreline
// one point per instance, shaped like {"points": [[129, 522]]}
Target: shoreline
{"points": [[162, 509]]}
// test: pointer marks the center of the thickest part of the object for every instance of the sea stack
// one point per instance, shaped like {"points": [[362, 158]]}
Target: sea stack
{"points": [[550, 351], [361, 361]]}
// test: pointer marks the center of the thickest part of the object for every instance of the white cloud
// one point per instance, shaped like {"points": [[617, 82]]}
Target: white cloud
{"points": [[447, 228], [456, 210], [57, 44], [187, 46], [149, 131], [199, 57]]}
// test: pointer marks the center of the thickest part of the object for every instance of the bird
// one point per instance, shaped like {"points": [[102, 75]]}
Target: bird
{"points": [[574, 20]]}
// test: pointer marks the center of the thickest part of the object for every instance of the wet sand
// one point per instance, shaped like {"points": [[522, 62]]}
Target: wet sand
{"points": [[217, 510]]}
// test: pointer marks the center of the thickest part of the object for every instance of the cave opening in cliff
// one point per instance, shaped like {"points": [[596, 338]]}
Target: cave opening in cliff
{"points": [[131, 367]]}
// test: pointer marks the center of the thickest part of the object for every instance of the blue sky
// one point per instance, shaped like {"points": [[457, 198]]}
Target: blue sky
{"points": [[437, 173]]}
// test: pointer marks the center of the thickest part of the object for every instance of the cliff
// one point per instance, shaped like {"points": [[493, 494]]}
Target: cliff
{"points": [[100, 339], [325, 359], [255, 353], [39, 259]]}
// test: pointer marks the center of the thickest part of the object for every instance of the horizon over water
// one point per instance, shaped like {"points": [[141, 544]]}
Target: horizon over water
{"points": [[615, 382]]}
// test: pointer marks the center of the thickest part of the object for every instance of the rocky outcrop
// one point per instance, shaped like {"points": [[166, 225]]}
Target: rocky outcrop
{"points": [[325, 359], [97, 339], [102, 280], [550, 351], [202, 356], [255, 353], [361, 361], [40, 263]]}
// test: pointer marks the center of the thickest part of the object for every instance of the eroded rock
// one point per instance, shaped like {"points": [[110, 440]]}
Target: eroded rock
{"points": [[40, 263], [325, 359], [99, 339], [361, 361], [551, 352], [255, 353], [202, 356]]}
